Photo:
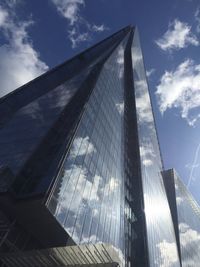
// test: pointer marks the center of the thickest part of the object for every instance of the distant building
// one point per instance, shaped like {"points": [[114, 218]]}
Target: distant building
{"points": [[186, 217], [80, 176]]}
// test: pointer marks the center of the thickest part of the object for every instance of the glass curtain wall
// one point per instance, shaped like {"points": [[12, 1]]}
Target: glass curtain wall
{"points": [[162, 246], [29, 114], [89, 193], [189, 224]]}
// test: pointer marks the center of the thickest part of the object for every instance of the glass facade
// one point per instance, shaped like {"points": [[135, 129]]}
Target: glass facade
{"points": [[188, 213], [80, 143], [89, 193], [162, 248], [37, 120]]}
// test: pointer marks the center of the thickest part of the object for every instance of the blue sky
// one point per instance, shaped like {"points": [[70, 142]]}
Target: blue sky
{"points": [[37, 35]]}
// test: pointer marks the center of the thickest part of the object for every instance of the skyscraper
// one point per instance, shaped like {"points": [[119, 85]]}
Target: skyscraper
{"points": [[80, 163]]}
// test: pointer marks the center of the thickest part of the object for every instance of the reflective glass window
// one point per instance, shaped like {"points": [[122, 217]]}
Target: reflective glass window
{"points": [[160, 231], [89, 188]]}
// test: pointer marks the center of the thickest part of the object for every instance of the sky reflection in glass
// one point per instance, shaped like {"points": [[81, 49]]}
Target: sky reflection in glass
{"points": [[89, 191], [160, 232]]}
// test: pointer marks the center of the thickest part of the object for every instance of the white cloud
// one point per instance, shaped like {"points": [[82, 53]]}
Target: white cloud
{"points": [[179, 200], [180, 88], [150, 72], [177, 36], [77, 38], [136, 56], [147, 162], [169, 255], [113, 184], [143, 102], [120, 256], [95, 187], [89, 29], [99, 28], [120, 55], [147, 154], [81, 146], [120, 61], [197, 19], [20, 62], [188, 236], [70, 10], [190, 244]]}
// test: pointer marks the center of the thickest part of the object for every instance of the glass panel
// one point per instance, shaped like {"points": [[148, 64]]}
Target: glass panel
{"points": [[29, 143], [189, 225], [24, 132], [160, 231], [89, 190]]}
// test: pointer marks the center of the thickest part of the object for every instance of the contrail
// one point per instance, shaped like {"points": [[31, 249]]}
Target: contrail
{"points": [[193, 165]]}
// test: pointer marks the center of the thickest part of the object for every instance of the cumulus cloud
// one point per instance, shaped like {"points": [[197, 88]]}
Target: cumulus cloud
{"points": [[188, 237], [147, 154], [168, 252], [180, 88], [143, 102], [190, 244], [81, 146], [120, 61], [68, 186], [92, 195], [179, 200], [69, 9], [113, 184], [20, 62], [136, 56], [120, 55], [177, 36], [74, 177], [80, 30]]}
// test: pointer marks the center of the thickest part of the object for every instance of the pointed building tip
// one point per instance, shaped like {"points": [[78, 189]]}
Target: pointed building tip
{"points": [[131, 27]]}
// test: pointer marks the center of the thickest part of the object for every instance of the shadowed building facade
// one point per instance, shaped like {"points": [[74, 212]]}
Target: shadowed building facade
{"points": [[81, 165]]}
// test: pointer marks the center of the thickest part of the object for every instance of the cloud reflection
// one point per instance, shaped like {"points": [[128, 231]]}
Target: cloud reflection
{"points": [[81, 146], [168, 254], [190, 245], [120, 108], [143, 104], [147, 154]]}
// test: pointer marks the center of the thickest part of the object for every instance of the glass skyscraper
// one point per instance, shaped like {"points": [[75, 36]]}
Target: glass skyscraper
{"points": [[81, 170]]}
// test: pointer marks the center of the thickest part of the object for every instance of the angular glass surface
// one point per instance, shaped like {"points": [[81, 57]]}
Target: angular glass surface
{"points": [[25, 131], [189, 225], [89, 191], [160, 232], [37, 120]]}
